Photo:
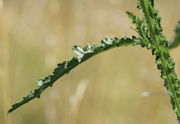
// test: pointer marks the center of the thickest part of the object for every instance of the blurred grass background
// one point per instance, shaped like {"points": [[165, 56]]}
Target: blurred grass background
{"points": [[36, 35]]}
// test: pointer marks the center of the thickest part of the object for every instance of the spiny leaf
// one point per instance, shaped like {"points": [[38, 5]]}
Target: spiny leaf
{"points": [[83, 54], [141, 29]]}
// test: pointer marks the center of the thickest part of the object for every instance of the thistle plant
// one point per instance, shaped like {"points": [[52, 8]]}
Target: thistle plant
{"points": [[150, 36]]}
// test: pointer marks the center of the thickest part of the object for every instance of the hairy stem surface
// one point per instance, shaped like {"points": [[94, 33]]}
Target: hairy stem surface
{"points": [[160, 49]]}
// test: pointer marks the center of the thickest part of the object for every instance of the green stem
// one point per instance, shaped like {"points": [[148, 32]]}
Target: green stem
{"points": [[163, 59]]}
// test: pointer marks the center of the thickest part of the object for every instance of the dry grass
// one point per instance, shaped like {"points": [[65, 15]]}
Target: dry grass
{"points": [[35, 35]]}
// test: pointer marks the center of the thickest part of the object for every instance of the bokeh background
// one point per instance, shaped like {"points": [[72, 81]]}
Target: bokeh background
{"points": [[120, 86]]}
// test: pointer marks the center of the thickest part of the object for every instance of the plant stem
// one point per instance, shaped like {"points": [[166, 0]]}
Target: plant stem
{"points": [[164, 61]]}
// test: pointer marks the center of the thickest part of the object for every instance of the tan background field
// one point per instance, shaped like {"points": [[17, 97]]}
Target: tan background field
{"points": [[35, 35]]}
